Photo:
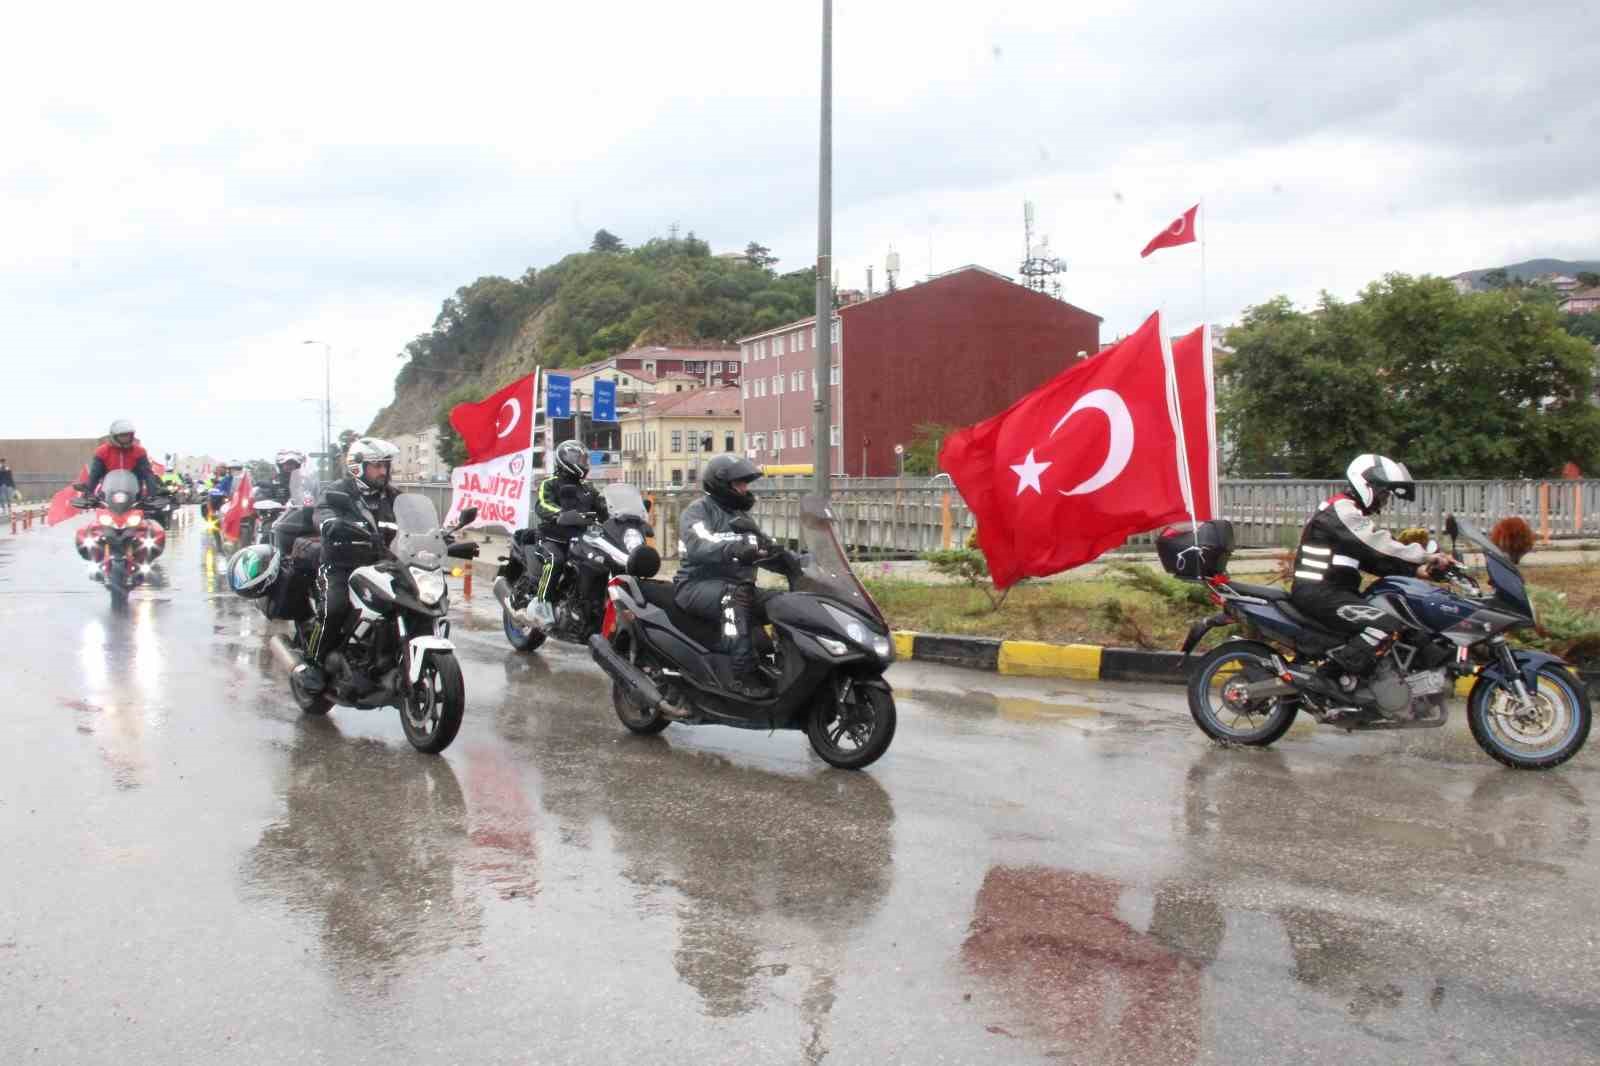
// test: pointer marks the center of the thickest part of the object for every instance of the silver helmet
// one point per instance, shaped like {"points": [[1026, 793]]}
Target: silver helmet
{"points": [[368, 451]]}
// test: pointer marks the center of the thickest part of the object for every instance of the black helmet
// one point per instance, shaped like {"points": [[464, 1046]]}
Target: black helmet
{"points": [[572, 459], [722, 473]]}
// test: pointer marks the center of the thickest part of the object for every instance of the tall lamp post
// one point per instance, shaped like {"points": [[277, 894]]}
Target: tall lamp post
{"points": [[822, 407], [327, 410]]}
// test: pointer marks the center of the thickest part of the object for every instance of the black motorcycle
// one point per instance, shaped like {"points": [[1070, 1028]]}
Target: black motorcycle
{"points": [[831, 649], [597, 552], [1526, 708], [399, 653]]}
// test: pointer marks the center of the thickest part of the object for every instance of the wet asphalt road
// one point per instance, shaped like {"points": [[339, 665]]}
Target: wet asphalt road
{"points": [[1037, 871]]}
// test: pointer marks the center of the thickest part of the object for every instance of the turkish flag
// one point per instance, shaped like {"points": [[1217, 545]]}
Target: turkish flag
{"points": [[1197, 411], [1053, 480], [61, 507], [501, 424], [1180, 232], [238, 505]]}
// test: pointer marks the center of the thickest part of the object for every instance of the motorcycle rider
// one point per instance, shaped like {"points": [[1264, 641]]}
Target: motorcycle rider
{"points": [[354, 532], [564, 490], [287, 461], [717, 577], [1338, 543], [121, 451]]}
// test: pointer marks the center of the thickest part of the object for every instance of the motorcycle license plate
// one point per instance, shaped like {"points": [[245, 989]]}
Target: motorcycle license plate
{"points": [[1428, 684]]}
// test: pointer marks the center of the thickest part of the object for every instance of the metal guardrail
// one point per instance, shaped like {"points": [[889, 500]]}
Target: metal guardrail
{"points": [[910, 517]]}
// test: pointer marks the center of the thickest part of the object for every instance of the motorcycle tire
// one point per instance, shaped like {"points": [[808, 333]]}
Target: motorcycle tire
{"points": [[1504, 739], [826, 726], [432, 709], [635, 718], [523, 640], [309, 702], [1251, 661]]}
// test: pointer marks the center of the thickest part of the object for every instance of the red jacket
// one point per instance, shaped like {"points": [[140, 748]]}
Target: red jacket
{"points": [[109, 457]]}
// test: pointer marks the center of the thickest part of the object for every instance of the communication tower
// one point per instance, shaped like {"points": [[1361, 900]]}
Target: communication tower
{"points": [[891, 268], [1040, 270]]}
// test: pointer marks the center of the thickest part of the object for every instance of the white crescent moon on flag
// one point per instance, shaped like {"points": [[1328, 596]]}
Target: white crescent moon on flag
{"points": [[516, 416], [1178, 227], [1110, 404]]}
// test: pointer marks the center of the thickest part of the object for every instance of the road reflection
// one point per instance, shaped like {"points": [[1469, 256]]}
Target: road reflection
{"points": [[367, 848]]}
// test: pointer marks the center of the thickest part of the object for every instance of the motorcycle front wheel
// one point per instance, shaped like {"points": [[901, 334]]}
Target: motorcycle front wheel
{"points": [[855, 734], [431, 710], [1218, 702], [1546, 734]]}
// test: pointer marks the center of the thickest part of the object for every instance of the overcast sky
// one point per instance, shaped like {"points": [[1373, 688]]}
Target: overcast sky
{"points": [[189, 192]]}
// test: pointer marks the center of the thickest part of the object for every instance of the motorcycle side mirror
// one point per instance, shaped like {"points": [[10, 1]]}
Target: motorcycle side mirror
{"points": [[649, 505], [467, 550], [1450, 528], [336, 498], [467, 517]]}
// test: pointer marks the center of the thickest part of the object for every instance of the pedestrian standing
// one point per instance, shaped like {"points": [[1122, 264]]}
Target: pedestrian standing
{"points": [[8, 486]]}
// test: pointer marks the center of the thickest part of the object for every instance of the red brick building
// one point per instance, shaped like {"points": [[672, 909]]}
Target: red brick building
{"points": [[708, 366], [954, 350]]}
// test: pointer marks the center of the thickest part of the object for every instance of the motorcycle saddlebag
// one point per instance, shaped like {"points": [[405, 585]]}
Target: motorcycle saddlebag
{"points": [[289, 599], [1195, 551]]}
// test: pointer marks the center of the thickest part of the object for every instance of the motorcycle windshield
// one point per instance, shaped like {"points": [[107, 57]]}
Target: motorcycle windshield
{"points": [[624, 501], [419, 541], [302, 489], [1503, 573], [826, 570], [121, 490]]}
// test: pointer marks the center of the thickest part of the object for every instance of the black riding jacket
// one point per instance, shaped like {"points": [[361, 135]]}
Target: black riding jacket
{"points": [[556, 494], [1340, 541], [372, 510]]}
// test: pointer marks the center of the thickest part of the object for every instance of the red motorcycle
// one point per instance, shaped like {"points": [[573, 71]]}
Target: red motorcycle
{"points": [[119, 542]]}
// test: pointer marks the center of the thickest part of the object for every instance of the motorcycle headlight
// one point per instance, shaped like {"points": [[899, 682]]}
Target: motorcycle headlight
{"points": [[632, 539], [430, 585], [135, 520], [881, 647], [107, 520]]}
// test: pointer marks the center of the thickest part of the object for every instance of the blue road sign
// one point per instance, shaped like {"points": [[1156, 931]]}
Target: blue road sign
{"points": [[557, 396], [605, 401]]}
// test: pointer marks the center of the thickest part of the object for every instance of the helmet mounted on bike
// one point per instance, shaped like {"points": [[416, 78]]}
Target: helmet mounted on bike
{"points": [[289, 456], [1374, 478], [572, 460], [122, 433], [367, 453], [722, 476]]}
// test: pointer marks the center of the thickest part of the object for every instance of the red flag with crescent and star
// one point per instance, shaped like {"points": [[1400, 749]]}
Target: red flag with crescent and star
{"points": [[499, 425], [1197, 409], [1074, 468], [239, 504], [1180, 232]]}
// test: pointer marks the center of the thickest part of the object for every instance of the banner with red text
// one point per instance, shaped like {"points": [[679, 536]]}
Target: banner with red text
{"points": [[500, 488]]}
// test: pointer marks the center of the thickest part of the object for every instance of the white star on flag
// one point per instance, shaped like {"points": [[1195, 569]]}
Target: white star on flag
{"points": [[1028, 472]]}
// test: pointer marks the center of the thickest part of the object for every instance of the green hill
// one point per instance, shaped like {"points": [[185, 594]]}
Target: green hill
{"points": [[1534, 268], [668, 291]]}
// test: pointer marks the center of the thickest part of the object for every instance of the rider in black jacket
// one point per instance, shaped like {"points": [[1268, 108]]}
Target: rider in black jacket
{"points": [[288, 461], [1339, 542], [717, 576], [355, 531], [564, 490]]}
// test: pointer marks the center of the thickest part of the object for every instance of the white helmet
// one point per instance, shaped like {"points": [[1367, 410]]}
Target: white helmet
{"points": [[289, 455], [1373, 478], [122, 427], [370, 450]]}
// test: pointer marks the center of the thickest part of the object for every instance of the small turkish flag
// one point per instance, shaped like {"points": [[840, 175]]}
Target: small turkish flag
{"points": [[1197, 410], [501, 424], [238, 505], [1052, 480], [61, 507], [1180, 232]]}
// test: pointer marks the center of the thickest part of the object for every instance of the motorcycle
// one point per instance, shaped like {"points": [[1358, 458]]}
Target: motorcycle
{"points": [[831, 649], [266, 510], [601, 551], [399, 652], [119, 544], [1526, 708]]}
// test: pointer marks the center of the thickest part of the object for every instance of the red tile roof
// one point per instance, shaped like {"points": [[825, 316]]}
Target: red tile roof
{"points": [[720, 402]]}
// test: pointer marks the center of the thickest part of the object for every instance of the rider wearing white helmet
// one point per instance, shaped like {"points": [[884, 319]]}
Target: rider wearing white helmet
{"points": [[121, 451]]}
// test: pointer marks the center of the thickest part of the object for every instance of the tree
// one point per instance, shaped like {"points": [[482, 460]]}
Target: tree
{"points": [[606, 241], [759, 256], [1588, 279], [1495, 279], [1477, 385], [1585, 326], [922, 454], [346, 438]]}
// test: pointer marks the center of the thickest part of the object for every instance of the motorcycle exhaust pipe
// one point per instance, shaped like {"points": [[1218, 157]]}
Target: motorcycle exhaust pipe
{"points": [[640, 687], [1266, 690], [287, 657]]}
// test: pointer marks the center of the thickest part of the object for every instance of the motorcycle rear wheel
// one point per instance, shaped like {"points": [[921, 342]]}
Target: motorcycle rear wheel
{"points": [[431, 710], [1216, 705], [868, 723], [1554, 733]]}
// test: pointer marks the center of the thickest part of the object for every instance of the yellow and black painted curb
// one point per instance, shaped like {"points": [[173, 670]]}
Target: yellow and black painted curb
{"points": [[1078, 662]]}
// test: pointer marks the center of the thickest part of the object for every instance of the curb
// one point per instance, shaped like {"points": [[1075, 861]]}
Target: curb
{"points": [[1078, 662]]}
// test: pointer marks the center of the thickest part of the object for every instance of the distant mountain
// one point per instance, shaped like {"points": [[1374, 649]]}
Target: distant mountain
{"points": [[1534, 268]]}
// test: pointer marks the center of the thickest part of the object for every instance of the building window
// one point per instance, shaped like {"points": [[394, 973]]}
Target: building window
{"points": [[777, 344], [833, 374], [716, 366], [727, 441], [761, 387], [744, 353], [797, 438], [744, 390], [757, 442], [834, 436], [797, 381], [733, 370], [777, 384], [777, 440], [813, 336], [800, 341], [652, 445], [677, 477], [677, 441], [694, 442], [835, 332]]}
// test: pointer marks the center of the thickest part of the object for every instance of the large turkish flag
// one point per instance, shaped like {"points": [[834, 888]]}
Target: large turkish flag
{"points": [[499, 425], [1071, 470]]}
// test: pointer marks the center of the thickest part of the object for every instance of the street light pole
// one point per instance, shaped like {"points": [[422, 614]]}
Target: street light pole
{"points": [[822, 406], [327, 409]]}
